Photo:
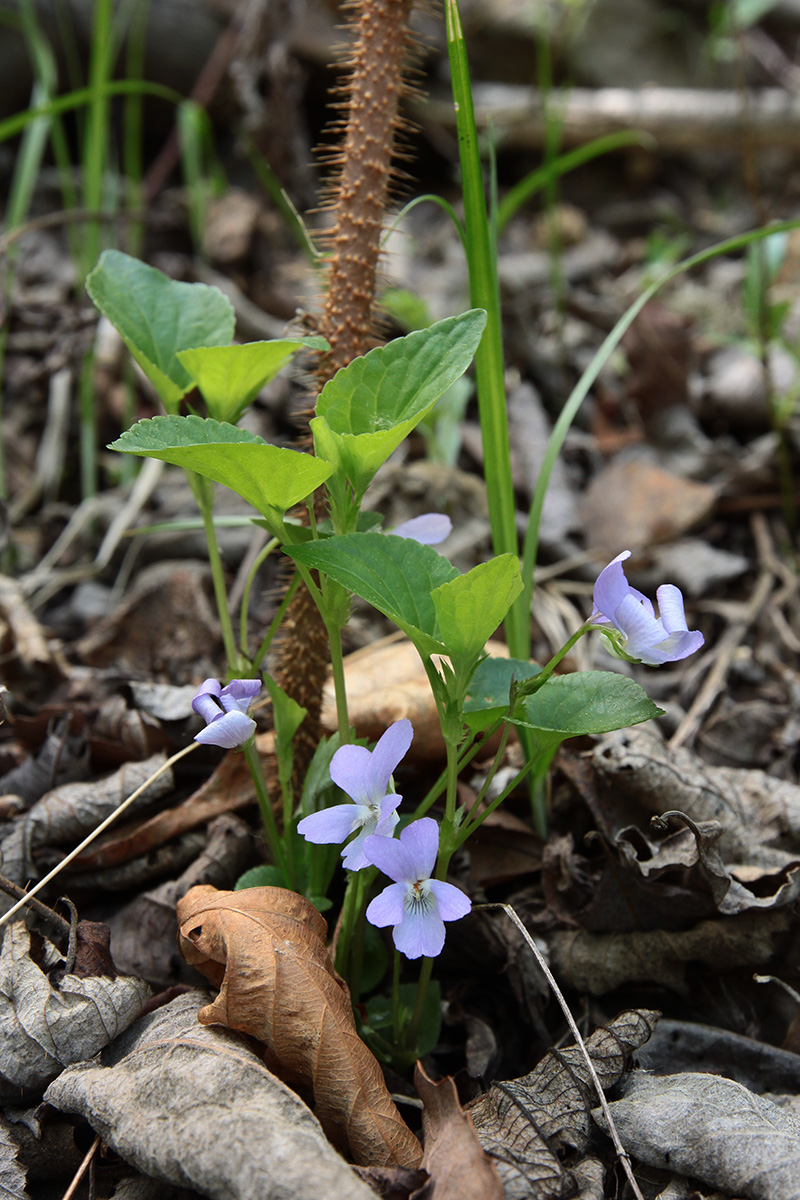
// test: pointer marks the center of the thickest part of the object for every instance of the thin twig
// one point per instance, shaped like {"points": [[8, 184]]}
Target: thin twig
{"points": [[622, 1153], [81, 1171], [87, 841], [53, 919]]}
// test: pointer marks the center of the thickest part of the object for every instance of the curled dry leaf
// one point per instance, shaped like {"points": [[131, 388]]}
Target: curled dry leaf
{"points": [[265, 950], [12, 1173], [44, 1026], [599, 963], [712, 1129], [454, 1159], [523, 1124], [68, 813], [755, 810], [197, 1108]]}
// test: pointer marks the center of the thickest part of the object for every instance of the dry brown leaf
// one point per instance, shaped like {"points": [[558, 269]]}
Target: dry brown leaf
{"points": [[712, 1129], [197, 1107], [265, 950], [454, 1159], [526, 1123], [599, 963], [385, 682]]}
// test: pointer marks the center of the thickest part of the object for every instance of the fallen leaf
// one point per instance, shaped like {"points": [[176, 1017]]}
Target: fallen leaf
{"points": [[527, 1124], [634, 504], [599, 963], [712, 1129], [62, 758], [195, 1107], [455, 1162], [265, 949], [69, 812], [688, 1046], [12, 1173], [44, 1026]]}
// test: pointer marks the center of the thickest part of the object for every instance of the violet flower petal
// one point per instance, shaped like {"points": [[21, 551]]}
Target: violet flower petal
{"points": [[227, 730], [450, 900], [350, 770], [331, 825], [387, 908], [207, 689], [391, 857], [421, 840], [611, 587], [390, 748], [239, 694], [670, 608], [429, 530], [421, 932]]}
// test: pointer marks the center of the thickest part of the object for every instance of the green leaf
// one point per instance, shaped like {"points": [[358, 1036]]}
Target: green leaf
{"points": [[488, 694], [470, 607], [268, 477], [585, 702], [366, 410], [287, 717], [157, 317], [230, 377], [264, 875], [394, 574]]}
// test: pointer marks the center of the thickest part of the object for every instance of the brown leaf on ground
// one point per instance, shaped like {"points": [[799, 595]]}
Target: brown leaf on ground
{"points": [[526, 1125], [599, 963], [755, 810], [44, 1025], [712, 1129], [197, 1108], [265, 950], [454, 1159], [635, 504]]}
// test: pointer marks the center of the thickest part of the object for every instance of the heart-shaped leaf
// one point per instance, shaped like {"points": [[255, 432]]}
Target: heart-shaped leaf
{"points": [[488, 695], [470, 607], [366, 410], [230, 377], [586, 702], [156, 317], [394, 574], [268, 477]]}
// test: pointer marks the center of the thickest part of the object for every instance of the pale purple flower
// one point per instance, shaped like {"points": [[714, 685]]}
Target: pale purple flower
{"points": [[628, 619], [364, 775], [428, 530], [224, 710], [415, 905]]}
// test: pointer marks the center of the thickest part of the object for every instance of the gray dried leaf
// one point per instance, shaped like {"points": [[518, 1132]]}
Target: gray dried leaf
{"points": [[599, 963], [712, 1129], [755, 810], [12, 1174], [43, 1027], [524, 1123], [193, 1105], [68, 813], [62, 758]]}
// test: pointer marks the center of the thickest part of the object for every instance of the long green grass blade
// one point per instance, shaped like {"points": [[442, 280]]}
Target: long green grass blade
{"points": [[11, 126]]}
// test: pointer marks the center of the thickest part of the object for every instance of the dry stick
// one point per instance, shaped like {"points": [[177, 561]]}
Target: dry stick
{"points": [[725, 650], [622, 1153], [53, 919], [87, 841], [81, 1171]]}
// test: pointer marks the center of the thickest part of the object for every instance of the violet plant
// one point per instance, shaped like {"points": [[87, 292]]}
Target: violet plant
{"points": [[362, 415]]}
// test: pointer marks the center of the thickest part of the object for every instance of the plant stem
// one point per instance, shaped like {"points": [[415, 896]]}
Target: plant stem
{"points": [[267, 815], [244, 606], [396, 998], [340, 691], [202, 490], [410, 1038]]}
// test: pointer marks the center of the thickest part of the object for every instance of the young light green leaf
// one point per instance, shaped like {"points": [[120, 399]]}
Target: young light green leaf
{"points": [[287, 717], [268, 477], [394, 574], [470, 607], [586, 702], [376, 400], [230, 377], [489, 689], [157, 316]]}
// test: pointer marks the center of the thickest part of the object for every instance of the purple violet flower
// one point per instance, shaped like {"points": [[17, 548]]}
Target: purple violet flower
{"points": [[364, 775], [631, 629], [429, 530], [224, 710], [415, 905]]}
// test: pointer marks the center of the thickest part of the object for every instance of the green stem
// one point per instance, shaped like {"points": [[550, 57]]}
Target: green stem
{"points": [[203, 492], [337, 672], [469, 827], [410, 1038], [357, 940], [263, 649], [244, 606], [267, 815], [451, 798], [396, 998], [346, 926]]}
